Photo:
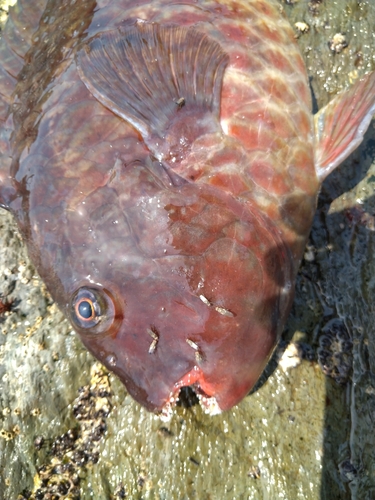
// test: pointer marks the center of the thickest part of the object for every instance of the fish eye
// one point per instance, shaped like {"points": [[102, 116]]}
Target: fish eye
{"points": [[85, 310], [92, 310]]}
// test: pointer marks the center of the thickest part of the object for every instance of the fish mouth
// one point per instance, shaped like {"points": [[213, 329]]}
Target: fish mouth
{"points": [[194, 379]]}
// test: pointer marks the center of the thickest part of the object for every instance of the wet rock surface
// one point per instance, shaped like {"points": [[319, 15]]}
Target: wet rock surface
{"points": [[300, 435]]}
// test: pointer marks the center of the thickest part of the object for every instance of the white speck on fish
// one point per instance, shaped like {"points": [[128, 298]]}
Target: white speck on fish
{"points": [[198, 355], [224, 312], [192, 344], [154, 342], [205, 300]]}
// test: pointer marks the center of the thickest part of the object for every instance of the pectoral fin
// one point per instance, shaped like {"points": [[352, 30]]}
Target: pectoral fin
{"points": [[152, 76], [342, 123]]}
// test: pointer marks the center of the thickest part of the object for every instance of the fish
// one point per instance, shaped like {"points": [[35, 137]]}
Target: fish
{"points": [[163, 165]]}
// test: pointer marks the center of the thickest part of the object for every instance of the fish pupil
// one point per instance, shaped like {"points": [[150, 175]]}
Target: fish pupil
{"points": [[85, 309]]}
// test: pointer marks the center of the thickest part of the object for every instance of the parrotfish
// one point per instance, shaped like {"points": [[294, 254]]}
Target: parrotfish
{"points": [[163, 164]]}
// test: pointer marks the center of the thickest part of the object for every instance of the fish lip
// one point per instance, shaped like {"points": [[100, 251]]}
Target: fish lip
{"points": [[193, 379], [208, 404]]}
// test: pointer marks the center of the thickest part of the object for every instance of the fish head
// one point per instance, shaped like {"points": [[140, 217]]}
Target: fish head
{"points": [[183, 286]]}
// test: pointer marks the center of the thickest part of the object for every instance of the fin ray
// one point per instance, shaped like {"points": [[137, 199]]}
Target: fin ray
{"points": [[342, 123], [141, 71]]}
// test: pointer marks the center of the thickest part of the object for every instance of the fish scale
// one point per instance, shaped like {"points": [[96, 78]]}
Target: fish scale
{"points": [[163, 165]]}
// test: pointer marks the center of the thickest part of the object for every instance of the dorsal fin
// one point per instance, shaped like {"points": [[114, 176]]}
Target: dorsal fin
{"points": [[342, 123], [155, 77]]}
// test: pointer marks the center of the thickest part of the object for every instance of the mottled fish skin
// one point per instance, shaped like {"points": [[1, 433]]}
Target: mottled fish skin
{"points": [[191, 262]]}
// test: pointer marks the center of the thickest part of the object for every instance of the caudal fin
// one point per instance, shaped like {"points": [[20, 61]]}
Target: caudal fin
{"points": [[342, 123]]}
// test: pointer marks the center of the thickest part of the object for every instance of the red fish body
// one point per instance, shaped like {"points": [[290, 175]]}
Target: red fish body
{"points": [[163, 165]]}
